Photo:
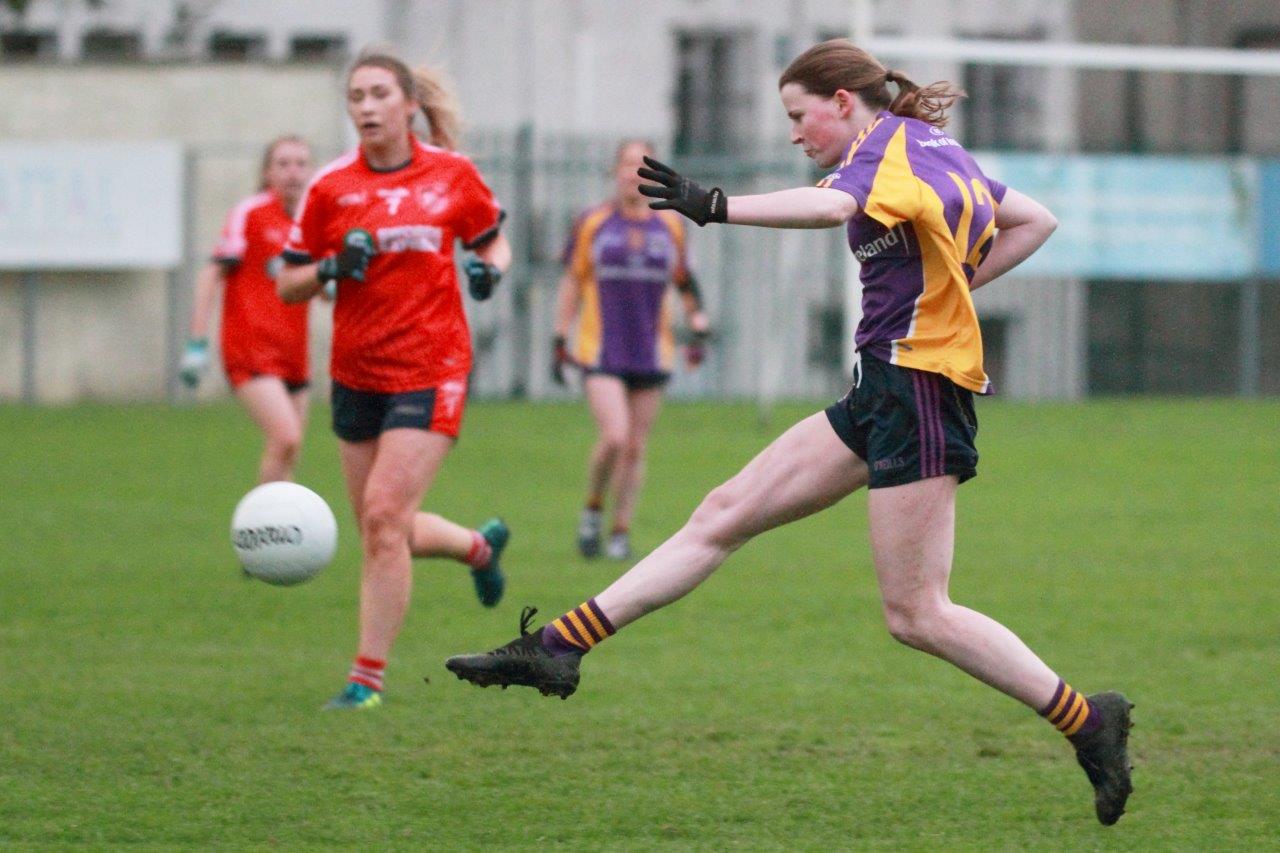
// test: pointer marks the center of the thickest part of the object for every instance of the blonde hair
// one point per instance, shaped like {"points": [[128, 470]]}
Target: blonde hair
{"points": [[429, 88], [838, 64], [270, 151]]}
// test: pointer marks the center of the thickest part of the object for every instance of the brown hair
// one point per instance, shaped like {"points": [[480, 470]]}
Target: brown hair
{"points": [[627, 142], [270, 151], [429, 88], [838, 64]]}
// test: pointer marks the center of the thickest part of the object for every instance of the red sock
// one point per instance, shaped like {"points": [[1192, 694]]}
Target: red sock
{"points": [[481, 551], [368, 671]]}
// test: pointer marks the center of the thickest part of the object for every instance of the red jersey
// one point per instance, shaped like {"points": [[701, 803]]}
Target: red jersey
{"points": [[403, 328], [261, 335]]}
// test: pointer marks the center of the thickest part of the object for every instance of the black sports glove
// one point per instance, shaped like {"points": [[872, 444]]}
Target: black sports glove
{"points": [[681, 194], [482, 278], [560, 360], [696, 352], [352, 262]]}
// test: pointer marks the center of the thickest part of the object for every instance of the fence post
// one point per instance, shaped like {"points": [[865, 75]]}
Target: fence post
{"points": [[30, 297], [1250, 337], [524, 256]]}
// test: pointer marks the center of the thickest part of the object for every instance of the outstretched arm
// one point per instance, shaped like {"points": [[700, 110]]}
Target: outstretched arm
{"points": [[1024, 224], [804, 207]]}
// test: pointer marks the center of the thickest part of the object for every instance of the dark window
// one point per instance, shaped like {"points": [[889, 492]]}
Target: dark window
{"points": [[28, 45], [1005, 108], [318, 48], [1156, 337], [237, 47], [110, 46], [713, 94], [1254, 102]]}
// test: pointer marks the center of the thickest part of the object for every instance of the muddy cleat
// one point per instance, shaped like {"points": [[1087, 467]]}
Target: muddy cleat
{"points": [[355, 697], [1104, 755], [589, 533], [524, 661], [490, 581]]}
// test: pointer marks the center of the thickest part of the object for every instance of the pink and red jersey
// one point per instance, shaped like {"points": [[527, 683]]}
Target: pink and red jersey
{"points": [[403, 328], [261, 335], [926, 219], [624, 269]]}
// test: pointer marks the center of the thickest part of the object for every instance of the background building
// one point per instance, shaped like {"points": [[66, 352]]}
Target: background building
{"points": [[548, 86]]}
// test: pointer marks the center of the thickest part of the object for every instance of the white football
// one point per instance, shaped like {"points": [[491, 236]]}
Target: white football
{"points": [[283, 533]]}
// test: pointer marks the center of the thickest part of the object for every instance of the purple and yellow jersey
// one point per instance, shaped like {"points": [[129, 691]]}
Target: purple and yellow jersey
{"points": [[624, 268], [926, 219]]}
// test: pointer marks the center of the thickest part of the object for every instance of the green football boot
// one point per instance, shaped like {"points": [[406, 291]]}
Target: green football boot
{"points": [[1104, 755], [524, 661], [355, 697], [490, 581]]}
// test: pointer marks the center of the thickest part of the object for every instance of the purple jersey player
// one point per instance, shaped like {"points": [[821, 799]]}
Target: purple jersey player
{"points": [[621, 262], [927, 228]]}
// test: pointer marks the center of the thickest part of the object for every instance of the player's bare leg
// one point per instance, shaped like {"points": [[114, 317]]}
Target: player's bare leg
{"points": [[404, 466], [912, 539], [433, 535], [276, 413], [643, 406], [912, 531], [805, 470], [607, 399]]}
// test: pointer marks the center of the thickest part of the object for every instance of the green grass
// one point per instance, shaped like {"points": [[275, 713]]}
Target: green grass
{"points": [[149, 695]]}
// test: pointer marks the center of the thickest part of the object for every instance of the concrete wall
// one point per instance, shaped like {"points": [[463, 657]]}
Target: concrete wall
{"points": [[111, 334]]}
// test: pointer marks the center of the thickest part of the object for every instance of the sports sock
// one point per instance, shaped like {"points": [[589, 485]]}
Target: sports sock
{"points": [[368, 671], [595, 503], [579, 630], [619, 529], [1070, 713], [481, 551]]}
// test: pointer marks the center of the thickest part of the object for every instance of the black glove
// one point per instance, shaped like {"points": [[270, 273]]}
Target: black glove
{"points": [[352, 261], [696, 352], [681, 194], [560, 360], [482, 278]]}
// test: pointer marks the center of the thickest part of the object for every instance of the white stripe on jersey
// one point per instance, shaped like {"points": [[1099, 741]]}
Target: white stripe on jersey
{"points": [[232, 242]]}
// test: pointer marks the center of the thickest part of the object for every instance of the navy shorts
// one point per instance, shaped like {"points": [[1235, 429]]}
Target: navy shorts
{"points": [[907, 425], [365, 415], [633, 380]]}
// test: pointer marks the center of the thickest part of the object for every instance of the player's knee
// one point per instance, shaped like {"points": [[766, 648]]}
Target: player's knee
{"points": [[915, 623], [634, 451], [717, 517], [613, 443], [382, 526], [285, 442]]}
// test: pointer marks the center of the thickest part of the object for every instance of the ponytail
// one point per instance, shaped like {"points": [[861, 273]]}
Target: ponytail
{"points": [[929, 104], [837, 64], [439, 106]]}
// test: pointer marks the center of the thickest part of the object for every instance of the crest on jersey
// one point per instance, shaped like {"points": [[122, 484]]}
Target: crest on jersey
{"points": [[433, 198]]}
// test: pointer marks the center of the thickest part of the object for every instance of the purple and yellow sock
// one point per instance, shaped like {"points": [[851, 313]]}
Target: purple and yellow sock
{"points": [[579, 630], [1070, 713]]}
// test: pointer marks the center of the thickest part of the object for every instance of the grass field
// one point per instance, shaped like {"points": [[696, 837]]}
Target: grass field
{"points": [[149, 695]]}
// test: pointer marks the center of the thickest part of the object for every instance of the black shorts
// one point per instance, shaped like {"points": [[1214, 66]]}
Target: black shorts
{"points": [[633, 381], [907, 424], [365, 415]]}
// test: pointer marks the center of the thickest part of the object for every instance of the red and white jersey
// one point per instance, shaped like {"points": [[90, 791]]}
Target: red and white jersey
{"points": [[403, 328], [261, 335]]}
